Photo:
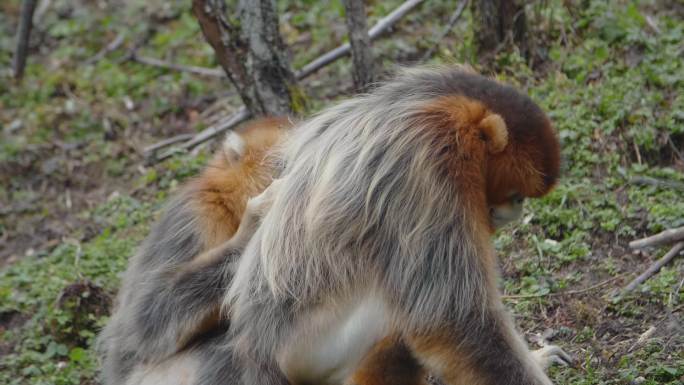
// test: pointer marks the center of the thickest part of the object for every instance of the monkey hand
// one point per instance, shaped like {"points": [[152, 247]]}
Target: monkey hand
{"points": [[257, 207], [552, 354]]}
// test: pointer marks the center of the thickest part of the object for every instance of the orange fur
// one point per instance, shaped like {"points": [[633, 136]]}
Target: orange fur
{"points": [[222, 190], [486, 153], [220, 195], [466, 127], [390, 362], [528, 165], [462, 371]]}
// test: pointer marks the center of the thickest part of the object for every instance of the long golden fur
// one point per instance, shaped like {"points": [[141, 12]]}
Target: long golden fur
{"points": [[381, 227]]}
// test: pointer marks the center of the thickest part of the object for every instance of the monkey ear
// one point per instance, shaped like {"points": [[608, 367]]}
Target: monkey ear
{"points": [[495, 132], [233, 147]]}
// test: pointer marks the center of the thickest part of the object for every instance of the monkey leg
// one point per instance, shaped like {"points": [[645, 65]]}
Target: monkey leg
{"points": [[390, 362], [485, 350]]}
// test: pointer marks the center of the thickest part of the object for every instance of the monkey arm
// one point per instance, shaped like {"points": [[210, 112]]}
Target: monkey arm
{"points": [[181, 305], [479, 351], [184, 302]]}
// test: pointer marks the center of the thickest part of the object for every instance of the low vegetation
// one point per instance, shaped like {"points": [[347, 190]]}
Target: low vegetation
{"points": [[76, 198]]}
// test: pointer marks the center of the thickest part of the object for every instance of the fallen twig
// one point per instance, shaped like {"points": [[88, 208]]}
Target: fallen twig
{"points": [[28, 7], [450, 25], [208, 133], [665, 237], [652, 23], [41, 9], [112, 46], [214, 72], [381, 26], [645, 180], [150, 151], [679, 246], [563, 293]]}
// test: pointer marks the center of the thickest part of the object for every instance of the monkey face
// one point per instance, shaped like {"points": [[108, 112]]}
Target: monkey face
{"points": [[529, 165], [527, 168], [504, 213]]}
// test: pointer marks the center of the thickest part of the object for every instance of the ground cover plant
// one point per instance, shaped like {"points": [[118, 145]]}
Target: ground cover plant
{"points": [[76, 196]]}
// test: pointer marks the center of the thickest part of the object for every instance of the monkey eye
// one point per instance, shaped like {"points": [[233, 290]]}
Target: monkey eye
{"points": [[517, 198]]}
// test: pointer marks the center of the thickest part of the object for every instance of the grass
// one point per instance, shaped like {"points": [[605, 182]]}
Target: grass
{"points": [[610, 74]]}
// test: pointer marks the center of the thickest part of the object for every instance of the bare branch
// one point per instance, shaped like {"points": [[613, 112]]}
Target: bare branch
{"points": [[679, 246], [209, 133], [28, 7], [563, 293], [213, 72], [646, 180], [380, 27], [667, 236], [149, 152], [450, 25], [231, 121], [41, 9], [112, 46]]}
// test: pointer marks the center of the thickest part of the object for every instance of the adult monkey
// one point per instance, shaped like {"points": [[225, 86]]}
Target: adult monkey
{"points": [[381, 227], [166, 327]]}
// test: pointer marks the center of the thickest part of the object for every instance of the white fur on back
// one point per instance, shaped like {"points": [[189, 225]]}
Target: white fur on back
{"points": [[340, 339], [180, 369]]}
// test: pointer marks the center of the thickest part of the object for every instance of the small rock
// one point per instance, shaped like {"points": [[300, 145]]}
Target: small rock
{"points": [[14, 126]]}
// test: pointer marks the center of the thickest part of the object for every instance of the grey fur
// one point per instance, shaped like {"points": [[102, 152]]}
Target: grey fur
{"points": [[158, 299], [366, 202]]}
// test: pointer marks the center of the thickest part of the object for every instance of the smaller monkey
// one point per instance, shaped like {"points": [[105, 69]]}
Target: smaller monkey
{"points": [[167, 316]]}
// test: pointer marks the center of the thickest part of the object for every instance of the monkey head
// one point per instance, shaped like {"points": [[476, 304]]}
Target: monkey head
{"points": [[508, 137]]}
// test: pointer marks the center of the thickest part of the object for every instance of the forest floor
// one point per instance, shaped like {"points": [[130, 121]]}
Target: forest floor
{"points": [[76, 196]]}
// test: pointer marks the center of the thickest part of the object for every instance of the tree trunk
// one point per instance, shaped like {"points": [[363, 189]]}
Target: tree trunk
{"points": [[249, 48], [498, 22], [28, 7], [362, 55]]}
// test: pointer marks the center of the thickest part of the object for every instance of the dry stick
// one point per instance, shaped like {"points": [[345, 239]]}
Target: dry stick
{"points": [[112, 46], [150, 151], [563, 293], [381, 26], [28, 7], [214, 72], [667, 236], [646, 180], [41, 9], [207, 134], [452, 21], [654, 267]]}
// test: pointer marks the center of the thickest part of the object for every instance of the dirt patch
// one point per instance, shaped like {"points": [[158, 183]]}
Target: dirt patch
{"points": [[10, 320]]}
